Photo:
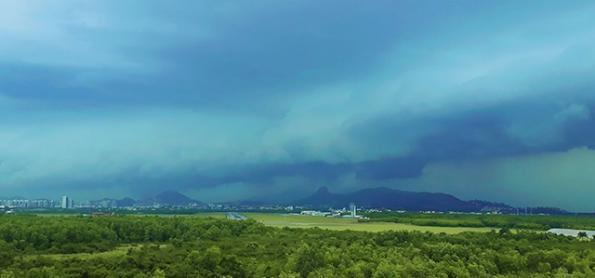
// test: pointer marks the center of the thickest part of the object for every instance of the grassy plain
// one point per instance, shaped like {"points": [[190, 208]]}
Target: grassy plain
{"points": [[525, 222], [331, 223]]}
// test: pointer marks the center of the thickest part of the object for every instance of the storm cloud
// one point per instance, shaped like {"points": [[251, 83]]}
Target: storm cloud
{"points": [[226, 100]]}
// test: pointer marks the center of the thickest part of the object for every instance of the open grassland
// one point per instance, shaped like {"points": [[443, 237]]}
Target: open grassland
{"points": [[217, 215], [331, 223], [525, 222]]}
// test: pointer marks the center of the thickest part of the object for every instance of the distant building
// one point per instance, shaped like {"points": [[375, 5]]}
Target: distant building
{"points": [[66, 202], [353, 210], [26, 203], [315, 213]]}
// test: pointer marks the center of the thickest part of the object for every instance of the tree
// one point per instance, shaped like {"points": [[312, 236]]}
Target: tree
{"points": [[211, 258], [158, 273], [582, 235], [7, 274], [386, 270], [306, 259], [504, 231], [289, 275]]}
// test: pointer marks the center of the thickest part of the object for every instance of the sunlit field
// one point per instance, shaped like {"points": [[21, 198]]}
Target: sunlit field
{"points": [[331, 223]]}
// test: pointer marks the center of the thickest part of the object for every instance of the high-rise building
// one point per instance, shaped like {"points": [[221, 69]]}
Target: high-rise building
{"points": [[65, 202], [353, 209]]}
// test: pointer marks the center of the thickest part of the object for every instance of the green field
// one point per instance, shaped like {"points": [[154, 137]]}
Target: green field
{"points": [[523, 222], [331, 223], [217, 215]]}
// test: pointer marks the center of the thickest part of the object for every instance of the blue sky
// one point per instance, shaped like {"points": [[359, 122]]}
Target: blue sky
{"points": [[227, 100]]}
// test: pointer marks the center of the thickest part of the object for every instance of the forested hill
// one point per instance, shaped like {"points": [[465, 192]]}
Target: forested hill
{"points": [[382, 197]]}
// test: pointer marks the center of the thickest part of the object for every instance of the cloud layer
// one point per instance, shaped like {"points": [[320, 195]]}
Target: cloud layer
{"points": [[225, 100]]}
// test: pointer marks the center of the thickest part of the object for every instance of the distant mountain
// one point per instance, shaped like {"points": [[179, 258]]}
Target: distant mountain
{"points": [[165, 198], [126, 202], [244, 203], [382, 197], [174, 198]]}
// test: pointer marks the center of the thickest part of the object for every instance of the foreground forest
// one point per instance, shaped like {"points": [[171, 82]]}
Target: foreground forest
{"points": [[151, 246]]}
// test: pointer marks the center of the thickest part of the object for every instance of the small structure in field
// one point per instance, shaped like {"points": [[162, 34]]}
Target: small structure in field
{"points": [[314, 213]]}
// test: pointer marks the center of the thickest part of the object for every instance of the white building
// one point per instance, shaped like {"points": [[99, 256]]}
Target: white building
{"points": [[315, 213], [65, 202], [352, 212]]}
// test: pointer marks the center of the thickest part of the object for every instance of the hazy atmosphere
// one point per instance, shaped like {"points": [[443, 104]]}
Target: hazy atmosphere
{"points": [[229, 100]]}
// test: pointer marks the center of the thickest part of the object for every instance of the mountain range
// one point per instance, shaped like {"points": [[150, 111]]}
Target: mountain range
{"points": [[166, 198], [174, 198], [378, 198], [386, 198]]}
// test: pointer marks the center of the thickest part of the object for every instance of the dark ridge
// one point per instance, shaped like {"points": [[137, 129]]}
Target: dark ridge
{"points": [[386, 198]]}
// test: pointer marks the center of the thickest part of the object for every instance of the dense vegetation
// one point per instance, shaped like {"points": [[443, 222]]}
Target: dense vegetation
{"points": [[536, 222], [33, 246]]}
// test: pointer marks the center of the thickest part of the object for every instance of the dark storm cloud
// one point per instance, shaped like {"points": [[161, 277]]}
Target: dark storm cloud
{"points": [[235, 98], [279, 51], [270, 50], [523, 127]]}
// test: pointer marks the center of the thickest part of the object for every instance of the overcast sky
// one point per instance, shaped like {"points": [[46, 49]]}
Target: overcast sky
{"points": [[226, 100]]}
